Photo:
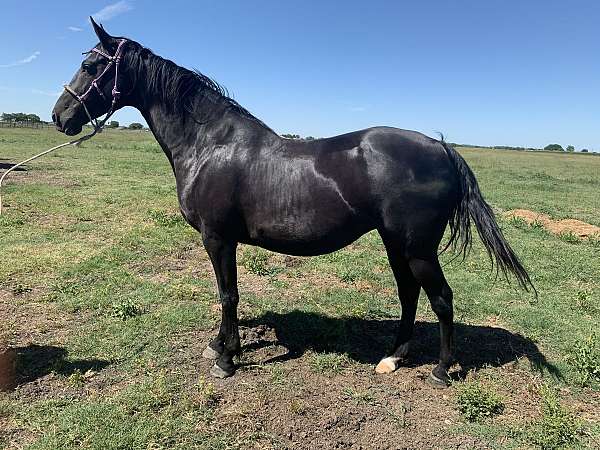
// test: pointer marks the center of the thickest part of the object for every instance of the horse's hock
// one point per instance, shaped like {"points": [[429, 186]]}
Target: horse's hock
{"points": [[8, 375]]}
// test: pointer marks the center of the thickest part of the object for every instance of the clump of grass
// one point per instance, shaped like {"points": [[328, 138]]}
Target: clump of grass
{"points": [[557, 428], [125, 309], [569, 237], [186, 292], [207, 396], [6, 408], [348, 275], [329, 363], [518, 222], [257, 262], [584, 299], [277, 373], [477, 402], [585, 358], [594, 240], [76, 379], [12, 221], [360, 397], [166, 219], [20, 289], [298, 407]]}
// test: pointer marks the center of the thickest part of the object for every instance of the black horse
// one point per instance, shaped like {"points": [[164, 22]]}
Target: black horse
{"points": [[238, 181]]}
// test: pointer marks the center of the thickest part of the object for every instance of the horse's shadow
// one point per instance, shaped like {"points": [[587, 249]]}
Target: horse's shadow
{"points": [[367, 340], [35, 361]]}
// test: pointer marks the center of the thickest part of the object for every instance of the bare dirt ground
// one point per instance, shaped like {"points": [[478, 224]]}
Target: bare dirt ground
{"points": [[277, 396], [577, 227]]}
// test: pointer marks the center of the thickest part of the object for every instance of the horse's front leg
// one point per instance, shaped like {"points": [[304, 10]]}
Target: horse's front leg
{"points": [[227, 344]]}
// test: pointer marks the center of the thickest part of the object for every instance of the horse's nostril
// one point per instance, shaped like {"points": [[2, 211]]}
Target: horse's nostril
{"points": [[56, 120]]}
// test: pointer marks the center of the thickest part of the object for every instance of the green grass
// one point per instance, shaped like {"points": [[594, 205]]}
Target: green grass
{"points": [[95, 232]]}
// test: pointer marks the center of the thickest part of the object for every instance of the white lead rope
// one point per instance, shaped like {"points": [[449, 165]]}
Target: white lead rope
{"points": [[76, 141]]}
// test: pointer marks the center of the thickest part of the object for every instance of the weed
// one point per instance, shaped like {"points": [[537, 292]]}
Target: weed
{"points": [[537, 224], [518, 222], [477, 402], [298, 407], [360, 397], [584, 300], [586, 359], [208, 397], [557, 428], [277, 373], [569, 237], [594, 240], [76, 379], [125, 309], [256, 261], [348, 275], [166, 219], [398, 414], [329, 363]]}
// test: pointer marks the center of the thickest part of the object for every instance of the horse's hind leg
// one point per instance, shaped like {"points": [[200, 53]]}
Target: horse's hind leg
{"points": [[408, 292], [429, 274]]}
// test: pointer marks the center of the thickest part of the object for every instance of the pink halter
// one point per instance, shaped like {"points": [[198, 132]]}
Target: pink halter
{"points": [[115, 59]]}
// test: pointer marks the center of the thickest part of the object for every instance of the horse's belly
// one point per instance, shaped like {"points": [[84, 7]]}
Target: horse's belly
{"points": [[311, 232]]}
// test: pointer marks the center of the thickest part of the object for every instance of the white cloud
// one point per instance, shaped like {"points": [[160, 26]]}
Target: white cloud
{"points": [[110, 11], [75, 29], [27, 60], [48, 93]]}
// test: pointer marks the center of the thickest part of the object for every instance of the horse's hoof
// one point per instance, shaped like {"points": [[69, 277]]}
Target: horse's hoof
{"points": [[210, 353], [217, 372], [386, 365], [438, 382]]}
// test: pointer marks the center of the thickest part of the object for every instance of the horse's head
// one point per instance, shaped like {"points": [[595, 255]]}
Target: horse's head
{"points": [[96, 88]]}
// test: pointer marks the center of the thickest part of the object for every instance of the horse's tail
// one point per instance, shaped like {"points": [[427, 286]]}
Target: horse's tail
{"points": [[471, 205]]}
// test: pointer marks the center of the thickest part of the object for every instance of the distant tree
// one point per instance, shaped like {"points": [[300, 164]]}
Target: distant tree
{"points": [[291, 136], [33, 118], [136, 126], [554, 148], [584, 150], [309, 138], [112, 124], [570, 148]]}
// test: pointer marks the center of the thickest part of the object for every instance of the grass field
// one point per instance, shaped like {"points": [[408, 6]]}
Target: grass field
{"points": [[109, 300]]}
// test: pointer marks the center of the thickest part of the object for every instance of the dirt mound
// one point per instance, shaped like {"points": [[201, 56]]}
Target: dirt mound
{"points": [[577, 227]]}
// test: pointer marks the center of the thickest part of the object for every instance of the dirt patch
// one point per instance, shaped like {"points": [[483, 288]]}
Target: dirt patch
{"points": [[574, 226]]}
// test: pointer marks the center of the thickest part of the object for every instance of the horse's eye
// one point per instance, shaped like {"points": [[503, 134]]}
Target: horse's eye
{"points": [[89, 68]]}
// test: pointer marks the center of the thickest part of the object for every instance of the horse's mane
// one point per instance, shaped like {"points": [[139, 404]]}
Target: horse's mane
{"points": [[180, 88]]}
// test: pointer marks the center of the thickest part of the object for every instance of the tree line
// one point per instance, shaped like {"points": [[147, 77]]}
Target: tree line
{"points": [[20, 117]]}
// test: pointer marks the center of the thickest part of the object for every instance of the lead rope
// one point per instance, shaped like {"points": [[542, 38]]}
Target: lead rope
{"points": [[116, 59]]}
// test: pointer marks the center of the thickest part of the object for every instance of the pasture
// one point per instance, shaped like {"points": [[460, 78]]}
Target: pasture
{"points": [[109, 300]]}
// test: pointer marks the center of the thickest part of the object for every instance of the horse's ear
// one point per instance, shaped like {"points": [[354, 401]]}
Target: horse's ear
{"points": [[105, 39]]}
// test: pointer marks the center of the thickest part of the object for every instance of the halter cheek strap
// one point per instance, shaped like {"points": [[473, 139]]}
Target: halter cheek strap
{"points": [[116, 94]]}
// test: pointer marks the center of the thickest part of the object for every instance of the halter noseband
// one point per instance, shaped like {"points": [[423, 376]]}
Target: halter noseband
{"points": [[115, 59]]}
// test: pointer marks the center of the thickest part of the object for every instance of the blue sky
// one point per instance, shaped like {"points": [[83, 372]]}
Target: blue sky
{"points": [[522, 73]]}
